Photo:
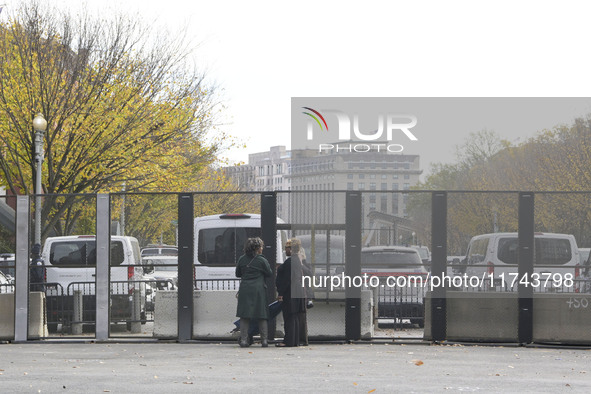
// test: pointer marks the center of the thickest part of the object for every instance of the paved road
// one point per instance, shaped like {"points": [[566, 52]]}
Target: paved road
{"points": [[352, 368]]}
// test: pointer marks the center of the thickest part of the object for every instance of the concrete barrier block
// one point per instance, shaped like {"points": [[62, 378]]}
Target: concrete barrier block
{"points": [[166, 314], [7, 313], [562, 318], [327, 318], [214, 313], [367, 314], [37, 316], [477, 316]]}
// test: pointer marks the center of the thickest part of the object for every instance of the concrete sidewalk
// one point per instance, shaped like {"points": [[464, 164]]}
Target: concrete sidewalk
{"points": [[353, 368]]}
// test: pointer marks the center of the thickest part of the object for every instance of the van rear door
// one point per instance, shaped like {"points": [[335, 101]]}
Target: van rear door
{"points": [[71, 261], [220, 247]]}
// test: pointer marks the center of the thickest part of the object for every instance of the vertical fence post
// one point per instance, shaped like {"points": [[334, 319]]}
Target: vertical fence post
{"points": [[353, 265], [439, 264], [21, 259], [185, 282], [103, 250], [269, 237], [526, 266]]}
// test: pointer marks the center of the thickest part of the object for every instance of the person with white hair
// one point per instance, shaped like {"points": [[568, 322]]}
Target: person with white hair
{"points": [[292, 293]]}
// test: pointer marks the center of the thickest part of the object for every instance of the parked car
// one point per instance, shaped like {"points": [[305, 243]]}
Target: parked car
{"points": [[162, 270], [7, 266], [6, 284], [405, 302], [70, 264], [496, 255]]}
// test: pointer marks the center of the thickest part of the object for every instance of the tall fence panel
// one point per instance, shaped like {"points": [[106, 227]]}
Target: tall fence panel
{"points": [[478, 305], [504, 266], [7, 266]]}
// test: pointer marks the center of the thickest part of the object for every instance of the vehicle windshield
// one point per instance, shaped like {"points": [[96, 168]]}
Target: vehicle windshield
{"points": [[162, 264]]}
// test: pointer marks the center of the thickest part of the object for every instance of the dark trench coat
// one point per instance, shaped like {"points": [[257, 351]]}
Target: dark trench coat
{"points": [[252, 296]]}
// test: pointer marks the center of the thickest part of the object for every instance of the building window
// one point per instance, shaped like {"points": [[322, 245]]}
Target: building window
{"points": [[395, 176], [361, 186], [349, 185], [384, 186], [395, 186], [372, 186], [384, 176], [406, 186], [406, 176], [361, 176], [349, 176]]}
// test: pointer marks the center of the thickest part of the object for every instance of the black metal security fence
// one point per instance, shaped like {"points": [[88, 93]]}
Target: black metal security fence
{"points": [[501, 266]]}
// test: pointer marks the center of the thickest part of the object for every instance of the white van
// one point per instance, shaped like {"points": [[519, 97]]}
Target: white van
{"points": [[219, 243], [70, 264], [497, 254], [70, 259]]}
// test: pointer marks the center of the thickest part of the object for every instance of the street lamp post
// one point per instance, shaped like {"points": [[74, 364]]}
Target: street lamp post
{"points": [[413, 238], [40, 125]]}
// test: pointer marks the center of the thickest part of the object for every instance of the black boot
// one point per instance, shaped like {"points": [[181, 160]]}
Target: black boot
{"points": [[244, 323], [264, 333]]}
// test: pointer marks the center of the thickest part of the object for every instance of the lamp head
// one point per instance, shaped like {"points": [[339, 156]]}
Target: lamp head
{"points": [[39, 123]]}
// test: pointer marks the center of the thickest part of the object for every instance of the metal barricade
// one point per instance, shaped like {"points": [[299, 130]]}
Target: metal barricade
{"points": [[400, 299], [216, 284]]}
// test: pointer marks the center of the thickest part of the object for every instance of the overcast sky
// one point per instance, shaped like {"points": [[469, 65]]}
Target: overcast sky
{"points": [[262, 53]]}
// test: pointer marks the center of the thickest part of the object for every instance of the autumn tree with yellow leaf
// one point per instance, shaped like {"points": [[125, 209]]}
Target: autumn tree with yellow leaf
{"points": [[124, 106]]}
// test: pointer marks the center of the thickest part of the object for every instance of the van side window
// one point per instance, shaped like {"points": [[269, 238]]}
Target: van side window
{"points": [[552, 251], [477, 251], [547, 251], [508, 251]]}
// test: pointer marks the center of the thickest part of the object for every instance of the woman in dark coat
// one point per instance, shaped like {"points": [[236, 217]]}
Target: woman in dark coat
{"points": [[291, 292], [253, 268]]}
